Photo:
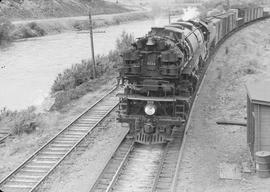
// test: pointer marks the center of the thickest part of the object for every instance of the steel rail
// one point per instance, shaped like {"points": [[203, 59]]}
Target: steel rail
{"points": [[107, 163], [115, 177], [4, 137], [3, 181], [110, 162], [160, 168], [74, 146], [122, 170], [209, 60]]}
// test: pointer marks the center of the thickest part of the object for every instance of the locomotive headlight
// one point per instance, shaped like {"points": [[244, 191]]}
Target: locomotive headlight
{"points": [[150, 109]]}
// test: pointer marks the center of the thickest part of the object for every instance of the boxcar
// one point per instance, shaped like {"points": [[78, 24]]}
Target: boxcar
{"points": [[217, 26]]}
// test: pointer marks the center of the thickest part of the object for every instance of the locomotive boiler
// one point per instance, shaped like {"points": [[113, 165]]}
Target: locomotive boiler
{"points": [[159, 74]]}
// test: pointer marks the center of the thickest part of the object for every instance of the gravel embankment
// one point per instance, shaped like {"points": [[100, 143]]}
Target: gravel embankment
{"points": [[223, 96]]}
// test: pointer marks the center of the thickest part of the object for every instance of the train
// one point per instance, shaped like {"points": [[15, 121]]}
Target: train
{"points": [[161, 71]]}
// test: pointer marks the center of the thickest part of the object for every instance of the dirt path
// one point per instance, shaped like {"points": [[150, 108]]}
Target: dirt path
{"points": [[223, 96]]}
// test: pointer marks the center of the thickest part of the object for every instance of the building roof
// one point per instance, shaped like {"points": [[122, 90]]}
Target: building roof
{"points": [[259, 92]]}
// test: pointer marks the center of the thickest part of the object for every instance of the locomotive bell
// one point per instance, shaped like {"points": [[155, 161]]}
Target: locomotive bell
{"points": [[150, 41]]}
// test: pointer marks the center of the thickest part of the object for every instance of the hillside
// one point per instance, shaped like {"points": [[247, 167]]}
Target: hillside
{"points": [[29, 9]]}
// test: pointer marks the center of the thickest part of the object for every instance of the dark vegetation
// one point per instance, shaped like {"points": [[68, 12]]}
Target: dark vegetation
{"points": [[8, 32], [78, 80], [5, 31], [29, 30], [19, 122]]}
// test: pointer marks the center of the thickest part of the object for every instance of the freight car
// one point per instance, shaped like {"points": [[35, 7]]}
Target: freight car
{"points": [[160, 72]]}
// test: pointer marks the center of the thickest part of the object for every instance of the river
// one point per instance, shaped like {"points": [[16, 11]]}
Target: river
{"points": [[29, 67]]}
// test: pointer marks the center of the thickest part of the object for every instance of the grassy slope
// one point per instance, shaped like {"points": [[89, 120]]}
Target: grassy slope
{"points": [[55, 8]]}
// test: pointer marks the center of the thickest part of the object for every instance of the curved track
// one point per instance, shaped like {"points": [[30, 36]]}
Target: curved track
{"points": [[163, 172], [164, 160], [213, 53], [34, 170]]}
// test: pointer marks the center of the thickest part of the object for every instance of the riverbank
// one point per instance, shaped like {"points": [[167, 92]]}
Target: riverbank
{"points": [[24, 29], [242, 58]]}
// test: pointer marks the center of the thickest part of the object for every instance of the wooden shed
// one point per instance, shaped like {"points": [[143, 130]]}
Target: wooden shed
{"points": [[258, 116]]}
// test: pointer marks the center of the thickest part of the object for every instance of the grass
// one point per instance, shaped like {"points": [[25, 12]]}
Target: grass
{"points": [[78, 80]]}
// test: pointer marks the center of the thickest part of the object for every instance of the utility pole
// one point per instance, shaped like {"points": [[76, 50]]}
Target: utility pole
{"points": [[169, 17], [92, 44], [169, 11]]}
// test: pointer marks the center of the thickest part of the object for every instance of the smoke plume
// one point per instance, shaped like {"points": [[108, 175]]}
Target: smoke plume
{"points": [[190, 13]]}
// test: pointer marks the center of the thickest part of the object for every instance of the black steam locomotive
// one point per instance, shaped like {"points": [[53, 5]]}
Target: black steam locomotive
{"points": [[161, 72]]}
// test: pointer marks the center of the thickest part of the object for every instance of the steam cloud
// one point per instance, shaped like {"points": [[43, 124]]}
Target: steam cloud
{"points": [[190, 13]]}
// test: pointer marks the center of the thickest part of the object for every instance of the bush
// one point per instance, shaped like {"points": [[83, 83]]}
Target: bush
{"points": [[19, 122], [124, 42], [37, 29], [6, 28], [83, 72], [30, 30], [78, 80]]}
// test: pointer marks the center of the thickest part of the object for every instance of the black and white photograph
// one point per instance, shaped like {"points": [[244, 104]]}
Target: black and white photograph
{"points": [[134, 95]]}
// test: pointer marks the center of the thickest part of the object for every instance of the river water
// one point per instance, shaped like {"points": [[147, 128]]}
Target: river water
{"points": [[29, 67]]}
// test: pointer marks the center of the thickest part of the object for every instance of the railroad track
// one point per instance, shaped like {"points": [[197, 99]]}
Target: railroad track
{"points": [[121, 172], [3, 135], [135, 167], [32, 172], [162, 164]]}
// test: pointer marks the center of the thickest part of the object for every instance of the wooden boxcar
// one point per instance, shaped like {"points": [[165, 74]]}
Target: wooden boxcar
{"points": [[227, 23], [258, 116], [249, 14], [218, 26]]}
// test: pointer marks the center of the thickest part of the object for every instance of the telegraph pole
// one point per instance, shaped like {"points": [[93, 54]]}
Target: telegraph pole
{"points": [[169, 16], [92, 44], [169, 11]]}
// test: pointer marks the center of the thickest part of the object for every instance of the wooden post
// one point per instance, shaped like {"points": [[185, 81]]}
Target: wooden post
{"points": [[92, 45], [169, 16]]}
